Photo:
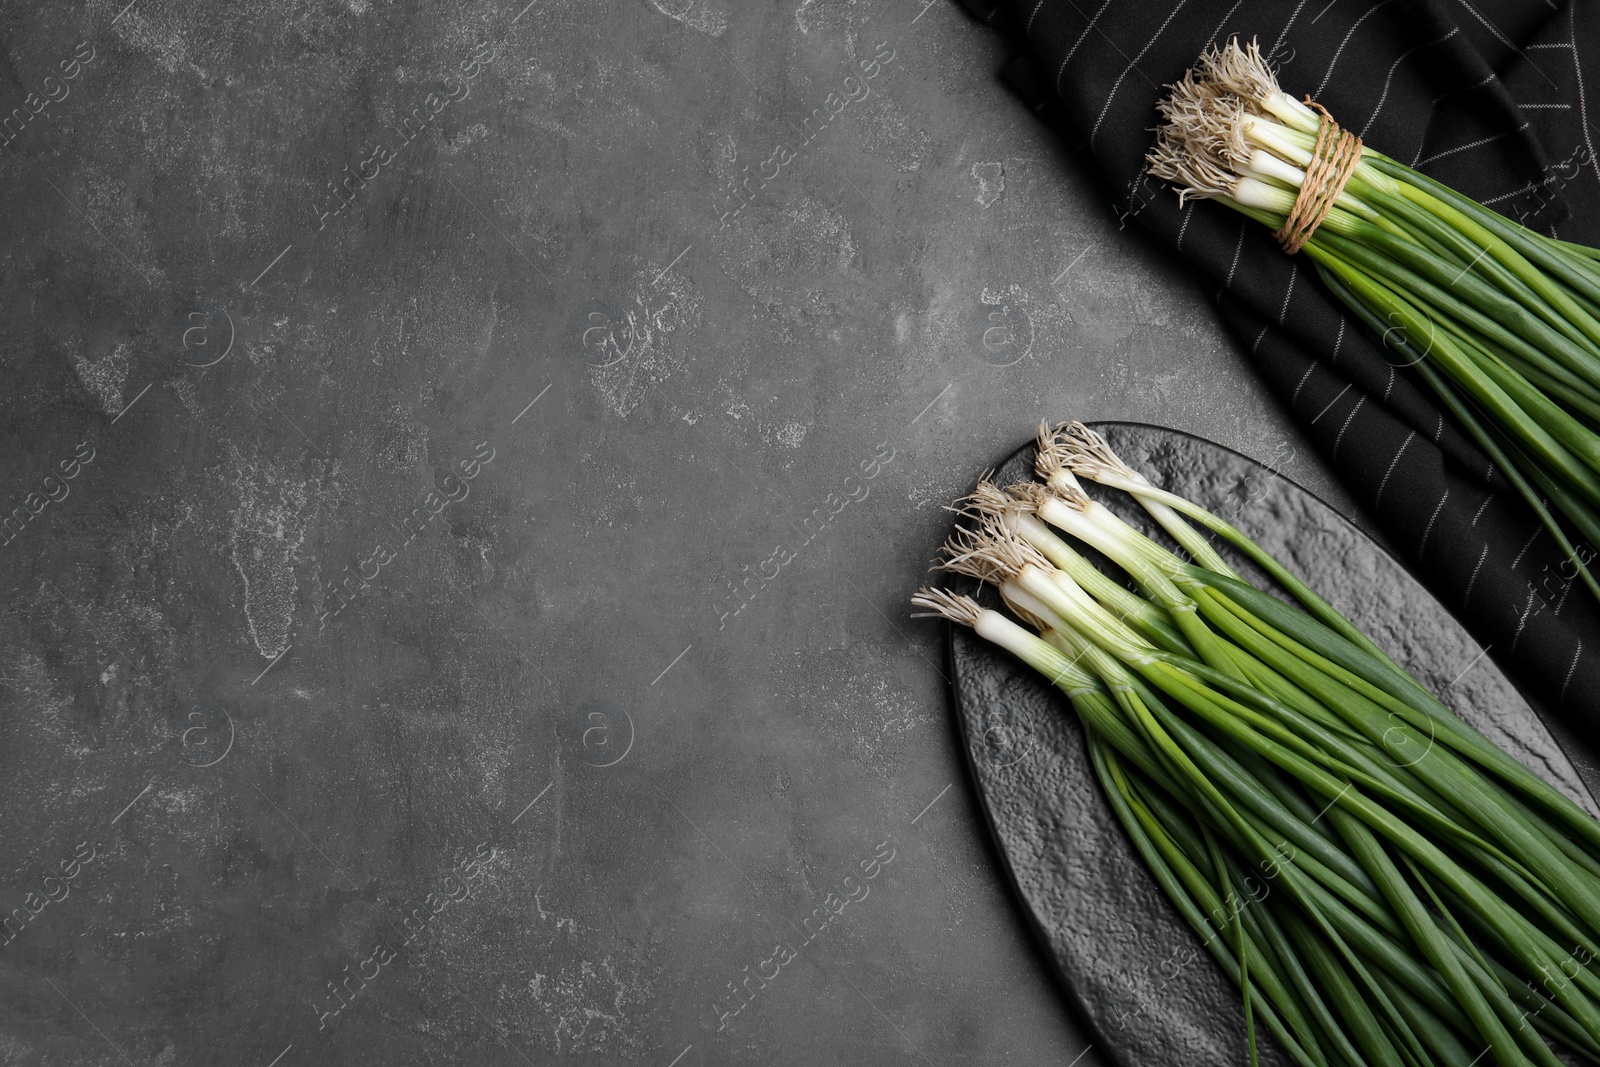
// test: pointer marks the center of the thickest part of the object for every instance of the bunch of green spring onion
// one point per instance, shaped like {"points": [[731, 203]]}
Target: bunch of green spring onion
{"points": [[1502, 322], [1385, 884]]}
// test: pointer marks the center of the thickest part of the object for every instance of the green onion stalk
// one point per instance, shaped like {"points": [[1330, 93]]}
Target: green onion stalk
{"points": [[1382, 882], [1503, 323]]}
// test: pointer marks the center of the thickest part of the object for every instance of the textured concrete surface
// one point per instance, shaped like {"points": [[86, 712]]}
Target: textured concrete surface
{"points": [[396, 395]]}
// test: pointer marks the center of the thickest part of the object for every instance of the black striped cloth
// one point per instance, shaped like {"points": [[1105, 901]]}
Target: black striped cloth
{"points": [[1494, 97]]}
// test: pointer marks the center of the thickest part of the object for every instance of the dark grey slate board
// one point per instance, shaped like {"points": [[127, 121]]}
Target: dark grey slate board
{"points": [[1124, 956]]}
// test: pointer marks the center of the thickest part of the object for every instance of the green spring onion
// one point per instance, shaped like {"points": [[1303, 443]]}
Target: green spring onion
{"points": [[1503, 323], [1419, 897]]}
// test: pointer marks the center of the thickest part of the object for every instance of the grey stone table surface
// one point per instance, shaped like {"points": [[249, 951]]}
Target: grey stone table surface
{"points": [[465, 466]]}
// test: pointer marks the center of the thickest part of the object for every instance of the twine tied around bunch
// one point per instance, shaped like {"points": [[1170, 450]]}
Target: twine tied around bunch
{"points": [[1333, 160]]}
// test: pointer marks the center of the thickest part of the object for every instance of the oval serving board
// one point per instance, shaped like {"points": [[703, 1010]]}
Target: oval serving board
{"points": [[1152, 998]]}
